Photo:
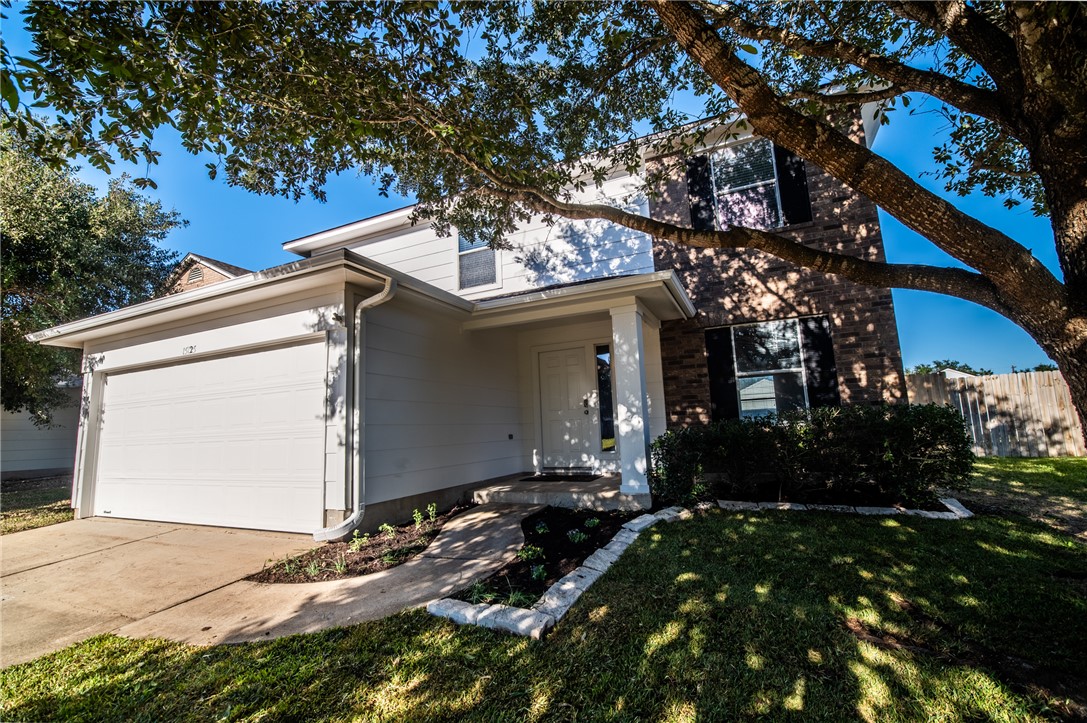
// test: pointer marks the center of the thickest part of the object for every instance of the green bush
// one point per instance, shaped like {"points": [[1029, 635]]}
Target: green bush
{"points": [[886, 453]]}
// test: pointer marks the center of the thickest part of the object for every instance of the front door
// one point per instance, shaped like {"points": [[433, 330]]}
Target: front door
{"points": [[567, 408]]}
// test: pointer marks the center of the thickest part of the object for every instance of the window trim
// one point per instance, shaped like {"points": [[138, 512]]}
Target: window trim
{"points": [[712, 154]]}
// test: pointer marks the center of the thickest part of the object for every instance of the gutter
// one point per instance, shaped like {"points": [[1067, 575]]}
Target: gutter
{"points": [[357, 470]]}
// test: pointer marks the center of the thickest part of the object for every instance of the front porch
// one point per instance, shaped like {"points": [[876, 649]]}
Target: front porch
{"points": [[602, 494]]}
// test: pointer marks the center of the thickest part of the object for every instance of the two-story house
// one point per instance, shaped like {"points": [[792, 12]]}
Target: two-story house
{"points": [[390, 367]]}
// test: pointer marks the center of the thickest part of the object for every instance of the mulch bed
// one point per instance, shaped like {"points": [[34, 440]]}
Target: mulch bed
{"points": [[770, 491], [366, 554], [549, 531]]}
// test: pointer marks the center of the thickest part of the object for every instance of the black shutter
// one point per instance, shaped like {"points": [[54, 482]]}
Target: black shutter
{"points": [[724, 402], [819, 362], [793, 186], [700, 193]]}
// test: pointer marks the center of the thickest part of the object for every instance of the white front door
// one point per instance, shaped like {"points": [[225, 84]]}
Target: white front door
{"points": [[567, 408]]}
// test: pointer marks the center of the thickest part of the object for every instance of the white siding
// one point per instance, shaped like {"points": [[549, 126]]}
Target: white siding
{"points": [[540, 255], [25, 448], [440, 405]]}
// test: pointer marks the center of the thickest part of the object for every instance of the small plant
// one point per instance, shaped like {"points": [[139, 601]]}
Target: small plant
{"points": [[313, 569], [538, 572], [529, 552], [390, 558], [357, 541], [542, 528], [288, 565], [340, 564], [387, 529], [577, 536], [432, 511], [479, 593], [520, 599], [418, 517], [592, 522]]}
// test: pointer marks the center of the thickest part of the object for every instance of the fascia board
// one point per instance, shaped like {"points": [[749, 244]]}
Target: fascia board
{"points": [[339, 267], [354, 231]]}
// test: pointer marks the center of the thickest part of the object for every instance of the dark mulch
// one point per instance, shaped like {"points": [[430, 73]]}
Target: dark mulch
{"points": [[549, 531], [366, 554]]}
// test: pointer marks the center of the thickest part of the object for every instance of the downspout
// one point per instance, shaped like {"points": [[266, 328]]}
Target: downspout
{"points": [[357, 471]]}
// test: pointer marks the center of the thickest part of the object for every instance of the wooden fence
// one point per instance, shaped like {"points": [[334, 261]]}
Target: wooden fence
{"points": [[1029, 414]]}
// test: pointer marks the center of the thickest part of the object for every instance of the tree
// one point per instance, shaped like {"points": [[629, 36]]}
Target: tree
{"points": [[66, 254], [940, 364], [489, 112]]}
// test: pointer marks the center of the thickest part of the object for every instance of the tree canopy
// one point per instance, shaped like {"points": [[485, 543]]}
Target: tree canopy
{"points": [[66, 253], [490, 112]]}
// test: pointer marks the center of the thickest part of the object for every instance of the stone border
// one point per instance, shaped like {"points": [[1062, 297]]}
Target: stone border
{"points": [[956, 510], [534, 622]]}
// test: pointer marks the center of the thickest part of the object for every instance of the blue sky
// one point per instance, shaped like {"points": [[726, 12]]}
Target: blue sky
{"points": [[239, 227]]}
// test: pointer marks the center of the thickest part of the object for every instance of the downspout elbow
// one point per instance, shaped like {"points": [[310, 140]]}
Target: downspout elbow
{"points": [[358, 476]]}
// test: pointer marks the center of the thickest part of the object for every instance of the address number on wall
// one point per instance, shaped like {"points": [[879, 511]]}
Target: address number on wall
{"points": [[188, 349]]}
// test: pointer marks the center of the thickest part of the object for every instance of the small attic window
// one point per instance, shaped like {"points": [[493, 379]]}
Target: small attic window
{"points": [[196, 274]]}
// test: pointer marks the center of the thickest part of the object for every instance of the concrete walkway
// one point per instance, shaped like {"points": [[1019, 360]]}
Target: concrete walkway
{"points": [[67, 582], [469, 547]]}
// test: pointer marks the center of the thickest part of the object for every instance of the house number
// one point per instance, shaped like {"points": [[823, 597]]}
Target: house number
{"points": [[188, 349]]}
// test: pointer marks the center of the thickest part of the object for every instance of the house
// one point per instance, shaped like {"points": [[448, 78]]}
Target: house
{"points": [[390, 367], [28, 451], [195, 271]]}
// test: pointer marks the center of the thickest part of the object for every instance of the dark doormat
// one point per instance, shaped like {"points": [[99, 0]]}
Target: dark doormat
{"points": [[562, 477]]}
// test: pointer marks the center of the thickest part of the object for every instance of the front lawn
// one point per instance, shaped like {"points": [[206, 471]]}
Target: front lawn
{"points": [[26, 504], [812, 616], [1053, 491]]}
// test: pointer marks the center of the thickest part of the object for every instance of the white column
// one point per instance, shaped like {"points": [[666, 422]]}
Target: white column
{"points": [[631, 404]]}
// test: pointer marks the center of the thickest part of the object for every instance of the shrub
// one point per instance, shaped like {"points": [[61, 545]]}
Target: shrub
{"points": [[889, 452]]}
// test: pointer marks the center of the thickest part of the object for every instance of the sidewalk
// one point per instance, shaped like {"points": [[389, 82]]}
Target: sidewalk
{"points": [[469, 547]]}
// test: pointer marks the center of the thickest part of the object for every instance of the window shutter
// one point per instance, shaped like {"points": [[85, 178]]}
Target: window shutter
{"points": [[724, 403], [793, 186], [819, 362], [700, 193]]}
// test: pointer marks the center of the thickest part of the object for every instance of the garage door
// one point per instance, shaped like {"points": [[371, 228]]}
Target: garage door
{"points": [[236, 441]]}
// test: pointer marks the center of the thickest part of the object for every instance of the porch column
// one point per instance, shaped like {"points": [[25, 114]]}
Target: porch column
{"points": [[631, 403]]}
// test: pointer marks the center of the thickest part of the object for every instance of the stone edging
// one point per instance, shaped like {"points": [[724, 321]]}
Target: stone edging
{"points": [[534, 622], [956, 510]]}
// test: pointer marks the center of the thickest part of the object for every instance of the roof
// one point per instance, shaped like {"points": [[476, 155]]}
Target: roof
{"points": [[221, 266]]}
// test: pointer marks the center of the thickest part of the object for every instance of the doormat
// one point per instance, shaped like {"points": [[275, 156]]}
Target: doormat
{"points": [[562, 477]]}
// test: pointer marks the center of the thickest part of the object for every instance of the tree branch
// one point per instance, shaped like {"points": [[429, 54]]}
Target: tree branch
{"points": [[868, 96], [992, 48], [1020, 278], [964, 96]]}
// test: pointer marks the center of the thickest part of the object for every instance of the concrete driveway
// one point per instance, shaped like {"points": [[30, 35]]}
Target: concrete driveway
{"points": [[64, 583]]}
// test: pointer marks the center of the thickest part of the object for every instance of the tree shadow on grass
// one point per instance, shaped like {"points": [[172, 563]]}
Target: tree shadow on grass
{"points": [[725, 617]]}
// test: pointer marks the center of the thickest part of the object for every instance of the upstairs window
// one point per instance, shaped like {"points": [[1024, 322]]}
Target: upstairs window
{"points": [[771, 367], [745, 186], [754, 184], [475, 264]]}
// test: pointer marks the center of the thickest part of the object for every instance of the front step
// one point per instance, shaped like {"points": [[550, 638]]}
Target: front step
{"points": [[600, 494]]}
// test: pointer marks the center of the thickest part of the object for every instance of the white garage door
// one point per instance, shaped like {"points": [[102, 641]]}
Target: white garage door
{"points": [[235, 441]]}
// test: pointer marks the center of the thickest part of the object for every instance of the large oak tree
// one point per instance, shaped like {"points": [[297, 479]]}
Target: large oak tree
{"points": [[487, 113]]}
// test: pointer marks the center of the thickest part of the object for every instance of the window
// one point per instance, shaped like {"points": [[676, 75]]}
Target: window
{"points": [[603, 390], [745, 186], [753, 183], [476, 263], [771, 367]]}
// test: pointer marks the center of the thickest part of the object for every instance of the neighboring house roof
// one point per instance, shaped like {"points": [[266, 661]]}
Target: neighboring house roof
{"points": [[955, 373], [191, 273], [221, 266]]}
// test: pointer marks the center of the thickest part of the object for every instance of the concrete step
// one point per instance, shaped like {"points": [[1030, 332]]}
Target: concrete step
{"points": [[600, 494]]}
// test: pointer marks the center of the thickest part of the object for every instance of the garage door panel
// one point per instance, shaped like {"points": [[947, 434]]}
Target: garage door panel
{"points": [[234, 441]]}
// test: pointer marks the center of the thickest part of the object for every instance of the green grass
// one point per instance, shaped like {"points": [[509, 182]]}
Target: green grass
{"points": [[728, 616], [26, 504], [1053, 491]]}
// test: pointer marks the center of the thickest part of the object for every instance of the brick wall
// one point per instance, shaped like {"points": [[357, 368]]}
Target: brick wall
{"points": [[211, 276], [738, 286]]}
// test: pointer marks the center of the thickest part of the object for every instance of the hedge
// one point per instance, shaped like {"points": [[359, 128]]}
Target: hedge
{"points": [[857, 454]]}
